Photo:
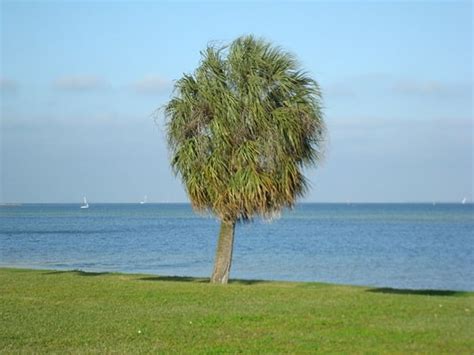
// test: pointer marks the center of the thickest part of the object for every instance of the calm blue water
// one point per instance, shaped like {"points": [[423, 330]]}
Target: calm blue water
{"points": [[390, 245]]}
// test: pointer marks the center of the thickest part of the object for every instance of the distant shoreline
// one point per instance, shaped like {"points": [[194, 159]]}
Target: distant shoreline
{"points": [[17, 204]]}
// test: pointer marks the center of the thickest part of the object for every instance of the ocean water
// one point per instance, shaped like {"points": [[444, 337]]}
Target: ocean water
{"points": [[420, 246]]}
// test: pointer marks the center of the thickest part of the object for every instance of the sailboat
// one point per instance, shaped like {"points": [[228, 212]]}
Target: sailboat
{"points": [[464, 200], [144, 200], [85, 205]]}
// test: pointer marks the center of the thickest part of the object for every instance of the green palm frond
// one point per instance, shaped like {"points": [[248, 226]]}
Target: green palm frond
{"points": [[242, 127]]}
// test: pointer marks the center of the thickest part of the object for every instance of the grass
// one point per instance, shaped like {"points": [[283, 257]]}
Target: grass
{"points": [[53, 311]]}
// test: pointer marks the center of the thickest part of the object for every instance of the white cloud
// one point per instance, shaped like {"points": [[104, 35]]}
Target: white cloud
{"points": [[366, 85], [432, 88], [57, 119], [8, 85], [339, 90], [371, 124], [152, 84], [80, 83]]}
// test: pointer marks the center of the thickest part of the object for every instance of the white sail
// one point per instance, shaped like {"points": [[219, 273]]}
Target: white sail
{"points": [[145, 198], [85, 205], [464, 200]]}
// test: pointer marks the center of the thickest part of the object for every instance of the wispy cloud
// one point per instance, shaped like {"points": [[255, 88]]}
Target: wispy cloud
{"points": [[356, 85], [366, 85], [56, 119], [8, 85], [80, 83], [372, 123], [152, 84], [339, 90], [432, 88]]}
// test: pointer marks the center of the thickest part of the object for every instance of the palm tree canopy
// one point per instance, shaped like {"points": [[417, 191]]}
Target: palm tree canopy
{"points": [[241, 128]]}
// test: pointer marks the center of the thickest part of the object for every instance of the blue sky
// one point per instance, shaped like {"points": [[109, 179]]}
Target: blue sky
{"points": [[80, 82]]}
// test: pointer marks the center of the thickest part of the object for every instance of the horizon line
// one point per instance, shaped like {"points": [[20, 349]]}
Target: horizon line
{"points": [[189, 203]]}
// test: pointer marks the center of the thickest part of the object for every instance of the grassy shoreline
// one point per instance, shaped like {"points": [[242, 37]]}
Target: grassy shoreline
{"points": [[61, 311]]}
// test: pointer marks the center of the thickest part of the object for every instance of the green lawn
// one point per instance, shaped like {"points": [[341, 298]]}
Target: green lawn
{"points": [[51, 311]]}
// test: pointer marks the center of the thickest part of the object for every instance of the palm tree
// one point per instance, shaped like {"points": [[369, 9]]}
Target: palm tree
{"points": [[240, 129]]}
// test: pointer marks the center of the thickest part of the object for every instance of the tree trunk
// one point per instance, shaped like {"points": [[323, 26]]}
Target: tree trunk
{"points": [[223, 260]]}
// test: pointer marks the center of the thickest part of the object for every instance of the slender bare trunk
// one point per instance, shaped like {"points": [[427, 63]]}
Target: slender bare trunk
{"points": [[223, 259]]}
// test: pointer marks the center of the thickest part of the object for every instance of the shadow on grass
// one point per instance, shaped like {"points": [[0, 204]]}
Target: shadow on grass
{"points": [[398, 291], [154, 278], [76, 272], [197, 280], [174, 278]]}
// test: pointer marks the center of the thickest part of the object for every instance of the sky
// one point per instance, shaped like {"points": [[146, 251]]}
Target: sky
{"points": [[81, 82]]}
